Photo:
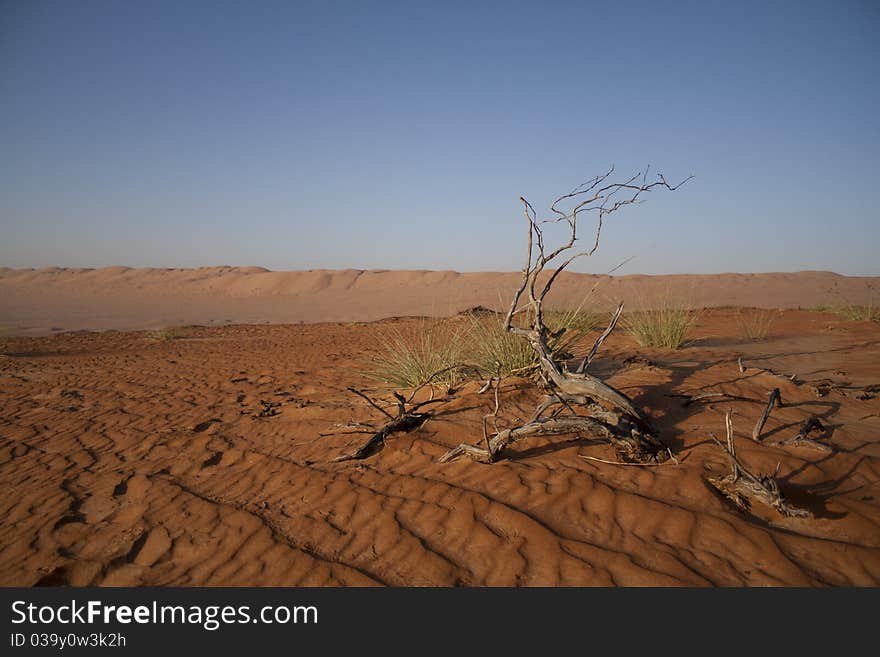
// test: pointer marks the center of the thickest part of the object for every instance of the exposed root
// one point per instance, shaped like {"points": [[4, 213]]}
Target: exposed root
{"points": [[692, 399], [630, 442], [801, 439], [742, 487], [407, 419], [637, 465], [775, 398]]}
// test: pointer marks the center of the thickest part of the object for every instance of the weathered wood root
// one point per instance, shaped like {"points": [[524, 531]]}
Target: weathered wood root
{"points": [[802, 439], [819, 387], [406, 420], [630, 443], [374, 445], [608, 412], [693, 399], [742, 487], [774, 398]]}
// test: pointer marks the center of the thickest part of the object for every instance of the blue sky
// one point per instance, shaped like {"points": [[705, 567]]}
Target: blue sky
{"points": [[400, 135]]}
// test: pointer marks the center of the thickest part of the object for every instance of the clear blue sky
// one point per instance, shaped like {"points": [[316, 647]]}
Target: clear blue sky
{"points": [[399, 135]]}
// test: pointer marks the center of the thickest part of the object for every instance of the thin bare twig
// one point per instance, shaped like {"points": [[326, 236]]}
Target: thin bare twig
{"points": [[596, 345], [372, 403], [636, 465]]}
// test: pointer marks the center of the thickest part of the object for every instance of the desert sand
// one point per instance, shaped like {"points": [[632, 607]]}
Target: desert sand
{"points": [[38, 302], [206, 459]]}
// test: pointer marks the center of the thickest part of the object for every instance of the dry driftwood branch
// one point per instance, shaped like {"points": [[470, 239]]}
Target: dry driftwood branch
{"points": [[802, 439], [493, 414], [371, 403], [543, 427], [774, 398], [605, 411], [742, 487], [791, 378], [640, 465], [407, 419], [692, 399]]}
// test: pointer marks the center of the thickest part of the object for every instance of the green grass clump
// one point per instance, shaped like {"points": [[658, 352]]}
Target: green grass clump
{"points": [[166, 334], [446, 352], [492, 351], [667, 326], [569, 327], [412, 355], [854, 312], [754, 324], [858, 313]]}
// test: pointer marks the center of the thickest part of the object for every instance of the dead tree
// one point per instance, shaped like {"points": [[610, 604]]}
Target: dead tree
{"points": [[593, 407]]}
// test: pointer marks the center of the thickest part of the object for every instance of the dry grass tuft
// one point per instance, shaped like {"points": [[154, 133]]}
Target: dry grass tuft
{"points": [[429, 351], [667, 326], [167, 334], [854, 312], [858, 313], [493, 351], [754, 324], [475, 344]]}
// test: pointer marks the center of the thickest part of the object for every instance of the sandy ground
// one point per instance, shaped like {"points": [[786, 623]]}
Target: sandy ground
{"points": [[130, 461], [38, 302]]}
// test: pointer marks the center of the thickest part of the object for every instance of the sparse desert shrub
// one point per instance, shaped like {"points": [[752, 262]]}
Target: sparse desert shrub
{"points": [[577, 321], [568, 327], [755, 323], [855, 312], [852, 312], [858, 313], [166, 334], [428, 351], [666, 326], [492, 350]]}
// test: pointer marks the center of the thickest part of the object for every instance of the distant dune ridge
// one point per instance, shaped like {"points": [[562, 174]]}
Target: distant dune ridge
{"points": [[53, 299]]}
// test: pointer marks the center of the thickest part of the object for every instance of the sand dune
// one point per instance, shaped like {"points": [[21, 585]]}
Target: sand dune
{"points": [[139, 462], [39, 301]]}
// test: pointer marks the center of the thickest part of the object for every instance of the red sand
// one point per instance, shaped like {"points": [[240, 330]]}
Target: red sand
{"points": [[127, 461]]}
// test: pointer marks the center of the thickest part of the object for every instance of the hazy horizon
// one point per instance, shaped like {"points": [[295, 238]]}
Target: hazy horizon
{"points": [[616, 274], [397, 137]]}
